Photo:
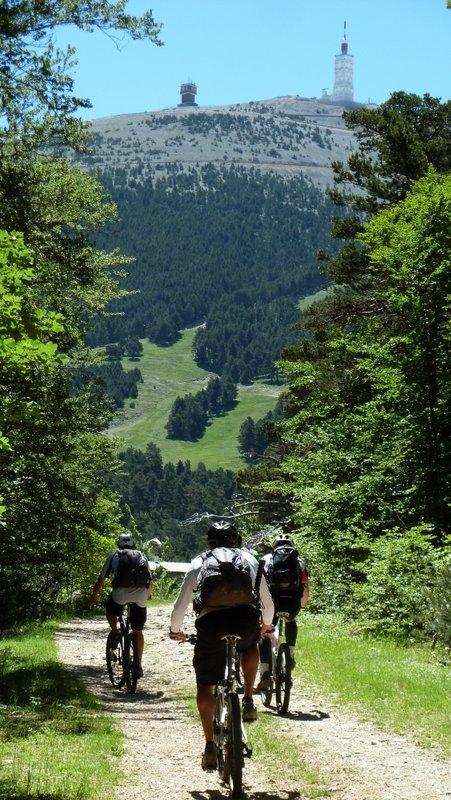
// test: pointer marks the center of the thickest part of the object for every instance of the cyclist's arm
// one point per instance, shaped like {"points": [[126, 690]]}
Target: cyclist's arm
{"points": [[266, 601], [184, 598], [150, 586], [103, 574], [266, 604], [97, 587]]}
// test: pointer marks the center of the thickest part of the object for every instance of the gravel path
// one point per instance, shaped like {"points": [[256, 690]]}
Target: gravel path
{"points": [[355, 759]]}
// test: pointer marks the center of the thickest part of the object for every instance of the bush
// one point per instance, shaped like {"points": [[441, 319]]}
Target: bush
{"points": [[400, 572], [441, 604]]}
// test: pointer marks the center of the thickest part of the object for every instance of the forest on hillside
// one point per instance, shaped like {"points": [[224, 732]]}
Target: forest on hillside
{"points": [[224, 248]]}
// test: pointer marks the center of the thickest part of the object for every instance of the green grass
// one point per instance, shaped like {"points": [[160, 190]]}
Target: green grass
{"points": [[169, 372], [55, 743], [306, 302], [403, 689]]}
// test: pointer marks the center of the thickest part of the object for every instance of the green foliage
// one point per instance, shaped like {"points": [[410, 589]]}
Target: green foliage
{"points": [[160, 496], [230, 248], [55, 503], [36, 86], [399, 575], [360, 465], [190, 414], [440, 616], [165, 586]]}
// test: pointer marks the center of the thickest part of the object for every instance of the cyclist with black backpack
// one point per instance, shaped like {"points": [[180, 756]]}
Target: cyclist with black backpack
{"points": [[287, 578], [229, 598], [131, 578]]}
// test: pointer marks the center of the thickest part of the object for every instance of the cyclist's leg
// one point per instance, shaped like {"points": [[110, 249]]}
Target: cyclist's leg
{"points": [[265, 648], [209, 663], [205, 699], [249, 662], [291, 632], [138, 616], [291, 626], [265, 655], [246, 622], [112, 610]]}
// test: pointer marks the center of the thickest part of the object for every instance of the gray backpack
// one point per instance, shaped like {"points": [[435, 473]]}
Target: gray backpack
{"points": [[224, 580], [130, 569]]}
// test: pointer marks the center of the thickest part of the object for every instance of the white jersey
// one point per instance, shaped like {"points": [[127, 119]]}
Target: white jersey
{"points": [[189, 586]]}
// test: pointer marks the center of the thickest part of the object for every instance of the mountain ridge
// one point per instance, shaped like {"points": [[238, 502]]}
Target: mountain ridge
{"points": [[287, 135]]}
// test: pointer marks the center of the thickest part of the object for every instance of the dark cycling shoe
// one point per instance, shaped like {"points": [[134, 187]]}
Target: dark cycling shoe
{"points": [[139, 672], [265, 682], [210, 757], [249, 710], [293, 662]]}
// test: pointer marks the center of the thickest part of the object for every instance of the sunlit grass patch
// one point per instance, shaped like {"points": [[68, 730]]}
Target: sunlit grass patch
{"points": [[401, 688], [54, 740]]}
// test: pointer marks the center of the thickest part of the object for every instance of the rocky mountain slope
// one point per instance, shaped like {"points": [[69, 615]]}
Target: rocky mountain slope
{"points": [[286, 135]]}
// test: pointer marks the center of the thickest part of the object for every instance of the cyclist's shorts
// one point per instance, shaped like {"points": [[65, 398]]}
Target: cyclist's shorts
{"points": [[291, 604], [210, 650], [138, 615]]}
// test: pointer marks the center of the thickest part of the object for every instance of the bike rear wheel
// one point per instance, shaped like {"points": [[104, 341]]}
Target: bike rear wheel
{"points": [[234, 746], [115, 659], [131, 662], [238, 673], [219, 731], [266, 695], [283, 678]]}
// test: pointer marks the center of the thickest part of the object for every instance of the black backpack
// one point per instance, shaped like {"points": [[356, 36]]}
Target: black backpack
{"points": [[224, 580], [285, 574], [130, 569]]}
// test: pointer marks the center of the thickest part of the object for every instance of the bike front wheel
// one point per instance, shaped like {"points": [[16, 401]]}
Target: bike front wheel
{"points": [[234, 746], [115, 659], [283, 678], [131, 662]]}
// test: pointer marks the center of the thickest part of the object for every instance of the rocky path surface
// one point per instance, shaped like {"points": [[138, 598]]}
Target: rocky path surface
{"points": [[163, 743]]}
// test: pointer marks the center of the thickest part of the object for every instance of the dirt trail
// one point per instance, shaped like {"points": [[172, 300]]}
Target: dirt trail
{"points": [[355, 759]]}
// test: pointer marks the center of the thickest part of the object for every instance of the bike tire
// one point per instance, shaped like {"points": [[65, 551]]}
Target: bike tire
{"points": [[234, 746], [219, 732], [239, 673], [131, 662], [283, 678], [266, 695], [115, 659]]}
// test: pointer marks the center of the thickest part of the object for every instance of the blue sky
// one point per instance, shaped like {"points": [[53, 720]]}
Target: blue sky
{"points": [[241, 50]]}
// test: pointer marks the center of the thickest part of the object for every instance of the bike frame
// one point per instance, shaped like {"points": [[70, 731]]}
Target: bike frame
{"points": [[121, 647], [281, 668], [230, 734]]}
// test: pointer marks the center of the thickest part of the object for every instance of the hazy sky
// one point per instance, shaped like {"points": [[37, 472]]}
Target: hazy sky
{"points": [[241, 50]]}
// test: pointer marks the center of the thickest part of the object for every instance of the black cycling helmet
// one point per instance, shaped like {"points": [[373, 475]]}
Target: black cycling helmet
{"points": [[223, 534], [125, 540], [284, 539]]}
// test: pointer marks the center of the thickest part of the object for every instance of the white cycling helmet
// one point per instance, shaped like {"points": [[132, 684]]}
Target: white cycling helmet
{"points": [[125, 540], [223, 534], [283, 540]]}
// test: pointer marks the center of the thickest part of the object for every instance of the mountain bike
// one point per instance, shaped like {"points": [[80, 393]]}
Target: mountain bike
{"points": [[121, 655], [229, 733], [281, 681]]}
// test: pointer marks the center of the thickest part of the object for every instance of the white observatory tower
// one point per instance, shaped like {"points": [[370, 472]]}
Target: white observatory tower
{"points": [[344, 68]]}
